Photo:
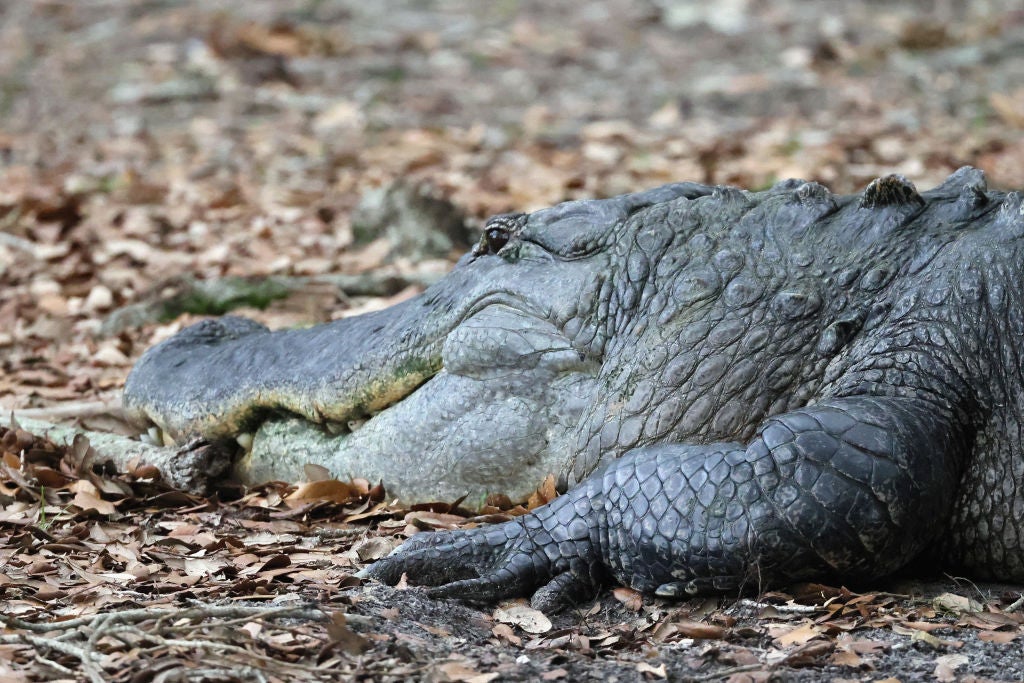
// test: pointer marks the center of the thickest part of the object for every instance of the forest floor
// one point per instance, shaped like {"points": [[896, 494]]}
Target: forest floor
{"points": [[149, 147]]}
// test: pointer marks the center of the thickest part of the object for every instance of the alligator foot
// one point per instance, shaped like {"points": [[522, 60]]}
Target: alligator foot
{"points": [[550, 554]]}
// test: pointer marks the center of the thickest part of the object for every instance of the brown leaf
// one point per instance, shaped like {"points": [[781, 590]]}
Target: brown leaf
{"points": [[505, 632], [630, 599], [988, 620], [927, 626], [49, 477], [330, 490], [700, 631], [424, 520], [457, 671], [374, 548], [846, 658], [87, 501], [344, 637], [1001, 637], [544, 494], [799, 635]]}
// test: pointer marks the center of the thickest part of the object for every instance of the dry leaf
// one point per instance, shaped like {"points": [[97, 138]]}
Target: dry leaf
{"points": [[846, 658], [799, 635], [630, 599], [946, 666], [87, 501], [316, 472], [522, 615], [330, 490], [544, 494], [658, 671], [955, 604], [344, 637], [374, 548], [505, 632], [456, 671]]}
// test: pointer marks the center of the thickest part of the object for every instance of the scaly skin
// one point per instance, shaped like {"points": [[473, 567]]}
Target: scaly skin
{"points": [[739, 388]]}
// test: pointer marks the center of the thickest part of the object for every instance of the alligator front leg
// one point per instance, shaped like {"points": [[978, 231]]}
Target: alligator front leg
{"points": [[850, 488]]}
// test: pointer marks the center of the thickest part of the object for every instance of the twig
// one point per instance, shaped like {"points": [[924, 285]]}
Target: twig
{"points": [[1016, 604], [788, 608], [19, 243], [227, 647], [339, 533], [144, 614], [725, 673], [242, 673], [74, 409], [84, 656]]}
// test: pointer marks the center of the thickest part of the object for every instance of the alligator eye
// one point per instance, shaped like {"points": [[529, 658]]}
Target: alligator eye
{"points": [[496, 238]]}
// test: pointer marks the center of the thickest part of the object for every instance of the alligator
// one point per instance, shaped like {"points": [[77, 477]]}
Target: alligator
{"points": [[733, 388]]}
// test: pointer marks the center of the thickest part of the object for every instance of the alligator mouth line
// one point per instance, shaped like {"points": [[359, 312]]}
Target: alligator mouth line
{"points": [[387, 395]]}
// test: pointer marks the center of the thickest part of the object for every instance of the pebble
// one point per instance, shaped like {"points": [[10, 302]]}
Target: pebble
{"points": [[100, 299], [108, 354]]}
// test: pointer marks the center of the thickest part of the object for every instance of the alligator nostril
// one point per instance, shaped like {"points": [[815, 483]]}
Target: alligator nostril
{"points": [[497, 238]]}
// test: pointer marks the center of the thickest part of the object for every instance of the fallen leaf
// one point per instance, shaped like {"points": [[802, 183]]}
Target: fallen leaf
{"points": [[456, 671], [374, 548], [316, 472], [344, 637], [1000, 637], [630, 599], [955, 604], [946, 666], [544, 494], [87, 501], [799, 635], [645, 668], [522, 615], [846, 658], [330, 490], [505, 632]]}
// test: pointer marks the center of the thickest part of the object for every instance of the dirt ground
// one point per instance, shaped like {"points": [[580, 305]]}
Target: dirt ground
{"points": [[149, 147]]}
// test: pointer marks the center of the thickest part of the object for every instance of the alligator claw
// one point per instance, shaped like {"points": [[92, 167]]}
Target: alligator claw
{"points": [[528, 555]]}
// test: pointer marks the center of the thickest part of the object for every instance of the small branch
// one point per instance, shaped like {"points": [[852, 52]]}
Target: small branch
{"points": [[1015, 605], [69, 410], [788, 608], [133, 616], [82, 654], [80, 638]]}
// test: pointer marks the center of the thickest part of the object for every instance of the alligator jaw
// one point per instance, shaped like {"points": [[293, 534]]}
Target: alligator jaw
{"points": [[221, 378]]}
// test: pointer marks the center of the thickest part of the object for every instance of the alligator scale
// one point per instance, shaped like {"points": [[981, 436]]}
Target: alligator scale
{"points": [[735, 388]]}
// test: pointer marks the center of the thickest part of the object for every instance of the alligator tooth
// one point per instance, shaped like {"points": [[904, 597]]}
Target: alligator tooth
{"points": [[167, 439], [335, 428], [152, 436], [353, 425], [245, 441]]}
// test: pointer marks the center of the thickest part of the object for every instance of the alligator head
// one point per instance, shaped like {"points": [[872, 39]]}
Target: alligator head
{"points": [[471, 387]]}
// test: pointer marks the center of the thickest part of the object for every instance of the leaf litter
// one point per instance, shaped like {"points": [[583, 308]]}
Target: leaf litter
{"points": [[217, 160]]}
